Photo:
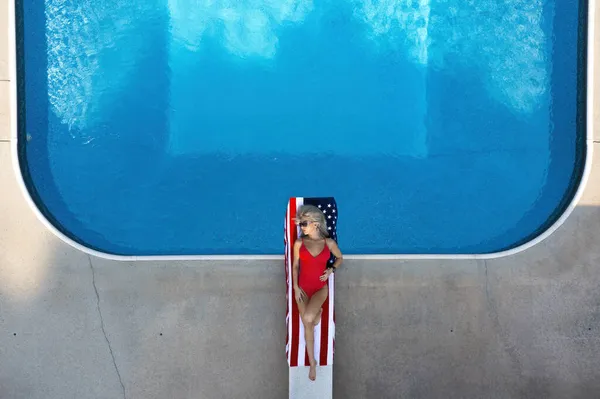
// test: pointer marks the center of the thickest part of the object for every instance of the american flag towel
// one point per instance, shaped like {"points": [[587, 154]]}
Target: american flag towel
{"points": [[295, 345]]}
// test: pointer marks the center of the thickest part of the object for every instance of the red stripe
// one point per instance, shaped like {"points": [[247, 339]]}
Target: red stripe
{"points": [[324, 332], [287, 302], [295, 313]]}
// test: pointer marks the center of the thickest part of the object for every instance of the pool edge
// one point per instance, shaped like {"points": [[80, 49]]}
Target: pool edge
{"points": [[588, 148]]}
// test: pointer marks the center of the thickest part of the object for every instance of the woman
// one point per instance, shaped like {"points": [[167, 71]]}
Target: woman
{"points": [[312, 252]]}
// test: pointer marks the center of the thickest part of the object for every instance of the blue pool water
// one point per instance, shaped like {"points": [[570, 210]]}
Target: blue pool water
{"points": [[183, 127]]}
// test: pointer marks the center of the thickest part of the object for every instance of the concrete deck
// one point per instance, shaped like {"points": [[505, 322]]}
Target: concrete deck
{"points": [[75, 326]]}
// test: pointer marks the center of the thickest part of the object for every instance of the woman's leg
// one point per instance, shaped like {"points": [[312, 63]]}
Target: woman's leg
{"points": [[301, 308], [309, 318]]}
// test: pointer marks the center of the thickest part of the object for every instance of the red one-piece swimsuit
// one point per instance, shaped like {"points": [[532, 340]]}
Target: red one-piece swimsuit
{"points": [[311, 268]]}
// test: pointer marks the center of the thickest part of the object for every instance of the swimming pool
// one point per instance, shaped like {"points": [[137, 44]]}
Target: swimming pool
{"points": [[180, 127]]}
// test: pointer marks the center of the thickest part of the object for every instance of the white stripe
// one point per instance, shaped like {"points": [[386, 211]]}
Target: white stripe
{"points": [[288, 343], [318, 342], [301, 345]]}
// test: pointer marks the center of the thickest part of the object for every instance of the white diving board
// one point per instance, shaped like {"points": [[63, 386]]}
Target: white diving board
{"points": [[300, 386]]}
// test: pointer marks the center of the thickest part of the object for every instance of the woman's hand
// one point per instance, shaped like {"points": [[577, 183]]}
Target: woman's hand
{"points": [[328, 272], [299, 294]]}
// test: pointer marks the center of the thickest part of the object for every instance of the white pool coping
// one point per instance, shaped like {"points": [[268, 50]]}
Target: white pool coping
{"points": [[575, 200]]}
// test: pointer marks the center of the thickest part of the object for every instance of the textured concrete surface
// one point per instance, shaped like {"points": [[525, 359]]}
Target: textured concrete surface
{"points": [[597, 73], [74, 326], [51, 340], [4, 75], [4, 110]]}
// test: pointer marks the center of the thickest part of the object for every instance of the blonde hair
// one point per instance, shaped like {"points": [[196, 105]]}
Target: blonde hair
{"points": [[313, 214]]}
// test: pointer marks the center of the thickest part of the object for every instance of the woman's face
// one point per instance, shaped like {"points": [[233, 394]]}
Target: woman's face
{"points": [[308, 227]]}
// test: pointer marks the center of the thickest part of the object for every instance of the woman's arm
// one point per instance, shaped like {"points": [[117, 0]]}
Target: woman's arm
{"points": [[333, 247], [296, 263]]}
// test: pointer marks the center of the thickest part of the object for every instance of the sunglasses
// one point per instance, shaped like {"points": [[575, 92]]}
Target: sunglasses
{"points": [[304, 223]]}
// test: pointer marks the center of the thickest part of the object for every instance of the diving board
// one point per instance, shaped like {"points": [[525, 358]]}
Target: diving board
{"points": [[300, 386]]}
